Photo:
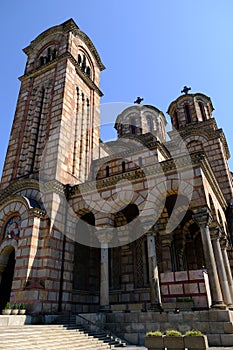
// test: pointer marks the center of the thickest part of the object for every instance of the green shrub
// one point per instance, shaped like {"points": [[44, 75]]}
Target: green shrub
{"points": [[154, 334], [194, 332], [15, 306], [185, 300], [8, 306], [173, 333], [22, 306]]}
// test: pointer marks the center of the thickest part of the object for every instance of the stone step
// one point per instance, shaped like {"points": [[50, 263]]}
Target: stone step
{"points": [[48, 338], [105, 336]]}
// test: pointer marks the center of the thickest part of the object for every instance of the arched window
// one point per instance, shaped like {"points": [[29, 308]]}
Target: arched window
{"points": [[133, 125], [107, 171], [187, 112], [149, 123], [123, 166], [203, 115]]}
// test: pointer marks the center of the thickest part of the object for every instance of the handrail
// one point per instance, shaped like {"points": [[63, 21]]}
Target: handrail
{"points": [[102, 328], [95, 324]]}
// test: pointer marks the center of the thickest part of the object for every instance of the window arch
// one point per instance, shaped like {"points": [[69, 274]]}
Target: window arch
{"points": [[187, 113], [47, 55], [84, 63]]}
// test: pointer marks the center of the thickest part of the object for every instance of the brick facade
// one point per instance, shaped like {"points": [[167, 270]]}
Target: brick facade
{"points": [[116, 225]]}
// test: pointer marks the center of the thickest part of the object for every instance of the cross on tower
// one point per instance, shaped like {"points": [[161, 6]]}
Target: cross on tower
{"points": [[185, 90], [138, 100]]}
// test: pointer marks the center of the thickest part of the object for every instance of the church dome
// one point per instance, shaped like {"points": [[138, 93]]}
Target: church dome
{"points": [[141, 119]]}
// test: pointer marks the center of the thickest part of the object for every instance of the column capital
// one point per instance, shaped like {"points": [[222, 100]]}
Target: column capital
{"points": [[215, 233], [202, 217], [224, 243], [103, 235], [153, 230]]}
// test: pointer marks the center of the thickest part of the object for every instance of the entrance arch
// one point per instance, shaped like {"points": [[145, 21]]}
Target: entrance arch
{"points": [[7, 267]]}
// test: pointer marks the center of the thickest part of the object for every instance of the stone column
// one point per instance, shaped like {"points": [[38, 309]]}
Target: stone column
{"points": [[153, 271], [203, 219], [104, 279], [215, 236], [224, 244], [104, 273]]}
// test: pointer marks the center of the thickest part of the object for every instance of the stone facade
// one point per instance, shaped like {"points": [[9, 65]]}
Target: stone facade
{"points": [[141, 222]]}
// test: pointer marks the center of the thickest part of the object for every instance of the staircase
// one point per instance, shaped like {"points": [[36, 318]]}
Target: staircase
{"points": [[106, 337], [49, 337]]}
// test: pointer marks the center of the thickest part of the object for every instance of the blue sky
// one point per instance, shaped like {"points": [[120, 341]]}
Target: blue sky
{"points": [[150, 49]]}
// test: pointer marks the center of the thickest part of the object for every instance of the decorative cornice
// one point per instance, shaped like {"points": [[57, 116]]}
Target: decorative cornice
{"points": [[52, 186], [145, 172], [52, 64], [161, 168], [36, 212], [194, 129]]}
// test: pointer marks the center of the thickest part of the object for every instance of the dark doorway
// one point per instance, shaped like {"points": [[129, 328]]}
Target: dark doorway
{"points": [[7, 279]]}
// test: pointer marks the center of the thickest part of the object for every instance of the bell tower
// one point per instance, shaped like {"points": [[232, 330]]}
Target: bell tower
{"points": [[57, 114], [192, 116]]}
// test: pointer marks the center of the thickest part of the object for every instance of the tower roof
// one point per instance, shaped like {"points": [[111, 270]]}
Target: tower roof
{"points": [[181, 97], [65, 27]]}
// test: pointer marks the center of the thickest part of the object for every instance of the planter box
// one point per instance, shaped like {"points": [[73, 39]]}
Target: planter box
{"points": [[6, 311], [155, 343], [196, 342], [22, 311], [14, 312], [173, 342]]}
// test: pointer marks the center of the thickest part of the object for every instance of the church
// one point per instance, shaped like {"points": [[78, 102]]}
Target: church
{"points": [[142, 223]]}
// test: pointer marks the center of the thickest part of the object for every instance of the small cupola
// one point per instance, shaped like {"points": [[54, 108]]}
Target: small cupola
{"points": [[189, 109], [141, 119]]}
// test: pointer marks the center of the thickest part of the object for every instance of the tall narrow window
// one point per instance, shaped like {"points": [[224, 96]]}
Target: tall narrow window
{"points": [[203, 115], [176, 120], [36, 130], [133, 125], [107, 171], [188, 116], [123, 166], [149, 123], [140, 161]]}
